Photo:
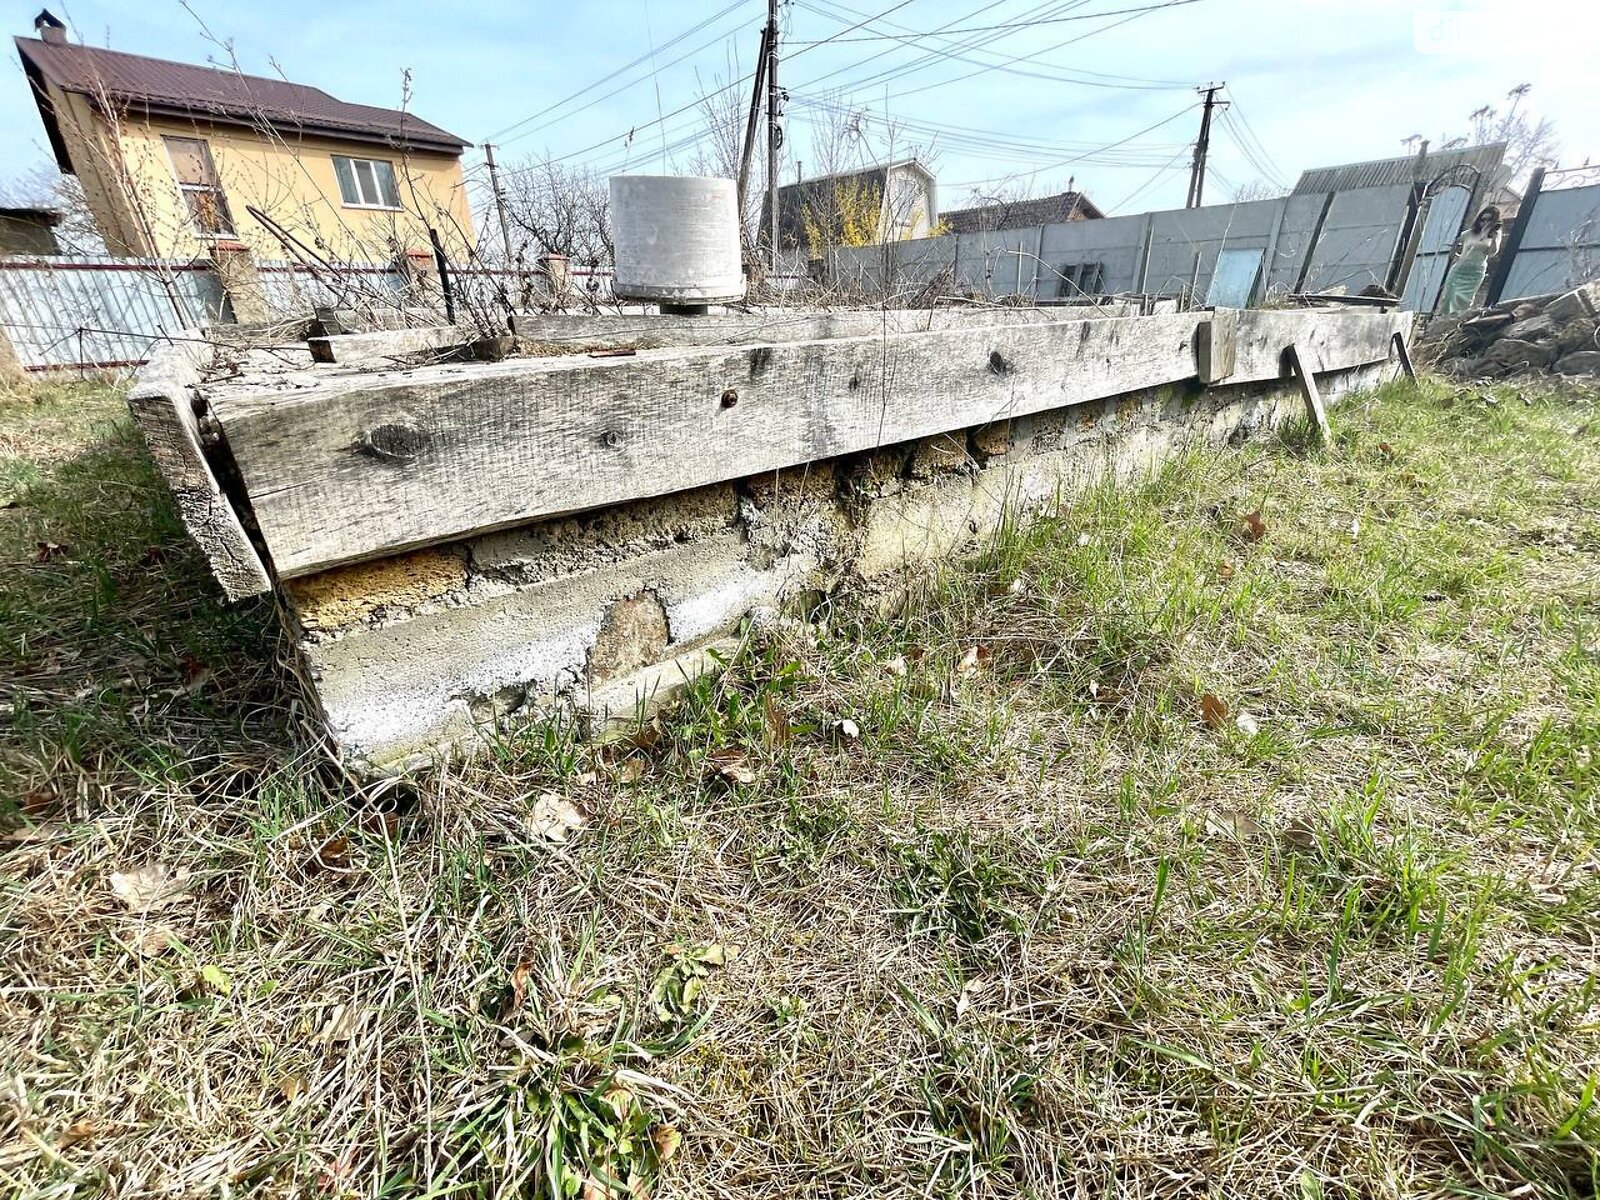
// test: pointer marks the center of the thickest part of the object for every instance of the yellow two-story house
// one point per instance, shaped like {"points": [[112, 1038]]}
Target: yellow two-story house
{"points": [[175, 159]]}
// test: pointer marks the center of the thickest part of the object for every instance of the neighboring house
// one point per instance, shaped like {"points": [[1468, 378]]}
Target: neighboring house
{"points": [[171, 156], [29, 231], [886, 203], [1021, 214]]}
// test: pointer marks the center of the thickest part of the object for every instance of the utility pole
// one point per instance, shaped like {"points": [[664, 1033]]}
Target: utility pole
{"points": [[499, 201], [773, 134], [1197, 172], [747, 148]]}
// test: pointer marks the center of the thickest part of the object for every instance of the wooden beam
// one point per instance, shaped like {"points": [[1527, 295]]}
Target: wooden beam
{"points": [[1216, 349], [361, 465], [1403, 353], [1308, 388], [162, 405], [649, 331]]}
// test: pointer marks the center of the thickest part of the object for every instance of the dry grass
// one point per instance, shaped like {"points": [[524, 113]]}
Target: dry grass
{"points": [[1040, 929]]}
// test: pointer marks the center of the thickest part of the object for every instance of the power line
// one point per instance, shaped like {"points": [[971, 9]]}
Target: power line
{"points": [[1123, 80], [913, 36], [499, 137], [1108, 146]]}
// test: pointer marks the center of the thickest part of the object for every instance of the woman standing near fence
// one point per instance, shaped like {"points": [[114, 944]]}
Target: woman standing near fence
{"points": [[1476, 247]]}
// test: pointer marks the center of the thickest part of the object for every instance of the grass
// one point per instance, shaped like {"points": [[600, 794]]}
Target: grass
{"points": [[1031, 924]]}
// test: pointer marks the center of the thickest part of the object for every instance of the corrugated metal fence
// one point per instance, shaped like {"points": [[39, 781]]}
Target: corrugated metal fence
{"points": [[101, 312]]}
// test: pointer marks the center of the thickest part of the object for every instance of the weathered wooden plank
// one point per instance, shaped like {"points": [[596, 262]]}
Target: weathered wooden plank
{"points": [[1403, 352], [162, 406], [581, 331], [1308, 389], [361, 465], [1216, 348], [349, 348], [1329, 339]]}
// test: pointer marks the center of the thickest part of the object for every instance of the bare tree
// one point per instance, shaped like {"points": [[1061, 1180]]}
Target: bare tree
{"points": [[1530, 141], [43, 186], [1256, 189], [557, 209]]}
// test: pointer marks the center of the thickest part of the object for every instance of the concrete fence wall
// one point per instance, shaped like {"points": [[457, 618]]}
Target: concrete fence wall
{"points": [[1259, 245]]}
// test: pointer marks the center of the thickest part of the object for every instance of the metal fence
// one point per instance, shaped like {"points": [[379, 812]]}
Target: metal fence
{"points": [[1560, 243], [79, 310]]}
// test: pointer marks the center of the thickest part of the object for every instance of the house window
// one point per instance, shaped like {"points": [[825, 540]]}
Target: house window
{"points": [[1082, 279], [366, 182], [197, 180]]}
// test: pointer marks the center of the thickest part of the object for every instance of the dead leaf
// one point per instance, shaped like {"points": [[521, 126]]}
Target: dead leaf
{"points": [[666, 1140], [971, 988], [78, 1131], [379, 822], [334, 854], [1299, 834], [149, 942], [630, 770], [847, 730], [147, 888], [896, 667], [1225, 571], [974, 660], [1247, 724], [1213, 710], [554, 818], [1385, 449], [343, 1023], [195, 674], [731, 765], [519, 989], [292, 1087], [777, 723], [1254, 527], [1083, 539], [48, 550], [1017, 586], [1233, 823], [36, 802], [153, 556]]}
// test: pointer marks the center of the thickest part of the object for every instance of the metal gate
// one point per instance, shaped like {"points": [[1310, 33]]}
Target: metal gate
{"points": [[1447, 212]]}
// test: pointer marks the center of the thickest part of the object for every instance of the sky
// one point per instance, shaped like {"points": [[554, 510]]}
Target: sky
{"points": [[999, 95]]}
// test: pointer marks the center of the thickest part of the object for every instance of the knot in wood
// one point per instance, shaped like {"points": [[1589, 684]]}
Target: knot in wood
{"points": [[611, 439], [998, 364], [730, 398], [395, 443]]}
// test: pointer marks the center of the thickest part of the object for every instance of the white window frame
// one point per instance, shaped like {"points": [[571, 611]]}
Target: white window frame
{"points": [[355, 179]]}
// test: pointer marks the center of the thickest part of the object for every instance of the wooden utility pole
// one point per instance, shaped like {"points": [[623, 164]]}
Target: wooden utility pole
{"points": [[773, 134], [499, 201], [747, 150], [1197, 172]]}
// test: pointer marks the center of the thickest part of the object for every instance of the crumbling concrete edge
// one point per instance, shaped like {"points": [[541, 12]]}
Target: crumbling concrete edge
{"points": [[607, 614]]}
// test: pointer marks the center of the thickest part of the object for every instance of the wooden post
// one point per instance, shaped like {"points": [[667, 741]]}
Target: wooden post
{"points": [[1308, 388], [1519, 230], [1403, 352], [1216, 346], [443, 265]]}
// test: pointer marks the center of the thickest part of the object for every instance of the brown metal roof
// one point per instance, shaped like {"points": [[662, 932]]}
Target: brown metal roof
{"points": [[164, 88], [1020, 214]]}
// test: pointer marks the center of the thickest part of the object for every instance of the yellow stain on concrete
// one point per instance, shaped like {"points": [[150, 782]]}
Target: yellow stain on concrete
{"points": [[345, 595]]}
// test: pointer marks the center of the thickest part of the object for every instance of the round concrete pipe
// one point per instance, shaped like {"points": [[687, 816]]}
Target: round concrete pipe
{"points": [[677, 239]]}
